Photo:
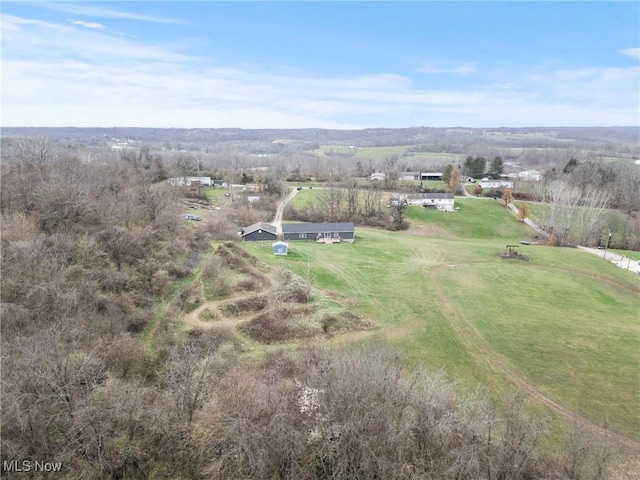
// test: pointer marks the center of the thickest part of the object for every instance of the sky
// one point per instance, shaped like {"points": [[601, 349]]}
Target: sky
{"points": [[330, 64]]}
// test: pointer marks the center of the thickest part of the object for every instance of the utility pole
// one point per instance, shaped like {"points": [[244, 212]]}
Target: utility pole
{"points": [[607, 245]]}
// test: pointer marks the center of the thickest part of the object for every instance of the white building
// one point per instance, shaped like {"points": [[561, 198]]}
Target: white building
{"points": [[378, 176], [189, 181], [487, 183], [530, 176], [408, 176], [439, 201]]}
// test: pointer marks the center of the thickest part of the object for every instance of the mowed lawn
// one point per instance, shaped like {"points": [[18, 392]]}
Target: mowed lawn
{"points": [[566, 322]]}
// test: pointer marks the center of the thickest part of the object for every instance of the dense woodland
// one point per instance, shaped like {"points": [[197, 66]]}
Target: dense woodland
{"points": [[97, 373]]}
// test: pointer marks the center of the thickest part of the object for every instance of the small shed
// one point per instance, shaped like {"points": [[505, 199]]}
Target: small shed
{"points": [[280, 248]]}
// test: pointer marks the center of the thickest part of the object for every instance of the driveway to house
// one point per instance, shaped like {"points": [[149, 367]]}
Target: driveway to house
{"points": [[623, 262], [280, 210], [618, 260]]}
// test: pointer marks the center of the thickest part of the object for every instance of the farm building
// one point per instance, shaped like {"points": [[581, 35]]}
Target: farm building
{"points": [[190, 181], [530, 176], [260, 231], [378, 176], [319, 232], [431, 176], [280, 248], [441, 201], [408, 176], [487, 183]]}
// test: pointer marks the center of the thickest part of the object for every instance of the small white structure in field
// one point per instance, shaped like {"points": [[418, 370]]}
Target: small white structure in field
{"points": [[378, 176]]}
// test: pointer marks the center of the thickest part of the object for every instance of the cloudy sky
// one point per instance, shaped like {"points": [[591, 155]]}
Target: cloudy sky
{"points": [[320, 64]]}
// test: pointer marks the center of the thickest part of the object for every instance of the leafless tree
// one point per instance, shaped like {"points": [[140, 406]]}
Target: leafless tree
{"points": [[371, 198], [331, 199], [591, 212], [353, 196], [561, 200]]}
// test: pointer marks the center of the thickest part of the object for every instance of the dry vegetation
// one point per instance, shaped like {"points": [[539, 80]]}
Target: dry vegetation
{"points": [[97, 373]]}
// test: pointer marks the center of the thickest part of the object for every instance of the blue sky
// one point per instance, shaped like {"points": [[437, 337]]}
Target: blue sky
{"points": [[320, 64]]}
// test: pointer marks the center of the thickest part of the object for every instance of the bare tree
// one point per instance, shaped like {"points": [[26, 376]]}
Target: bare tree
{"points": [[332, 199], [398, 207], [561, 200], [590, 214], [371, 199], [353, 197]]}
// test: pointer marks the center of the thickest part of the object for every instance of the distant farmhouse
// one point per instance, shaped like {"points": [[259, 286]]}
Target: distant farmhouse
{"points": [[435, 176], [408, 176], [487, 183], [319, 232], [190, 181], [530, 176], [260, 231], [440, 201]]}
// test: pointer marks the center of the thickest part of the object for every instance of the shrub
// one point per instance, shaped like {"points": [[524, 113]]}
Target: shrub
{"points": [[280, 325], [251, 304]]}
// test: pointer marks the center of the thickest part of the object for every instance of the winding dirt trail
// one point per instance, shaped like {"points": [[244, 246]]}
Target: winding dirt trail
{"points": [[193, 318], [477, 346]]}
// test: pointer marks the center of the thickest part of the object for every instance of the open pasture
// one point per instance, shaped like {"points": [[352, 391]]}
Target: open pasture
{"points": [[403, 152], [566, 324]]}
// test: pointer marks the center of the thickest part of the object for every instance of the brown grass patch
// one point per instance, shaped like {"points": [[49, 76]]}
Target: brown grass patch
{"points": [[344, 322], [251, 304], [281, 325]]}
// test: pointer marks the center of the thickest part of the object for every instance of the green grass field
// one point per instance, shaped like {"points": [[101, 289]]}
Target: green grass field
{"points": [[565, 323], [402, 151]]}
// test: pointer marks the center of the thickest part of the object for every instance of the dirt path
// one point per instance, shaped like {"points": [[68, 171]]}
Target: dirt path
{"points": [[280, 210], [620, 261], [476, 345], [193, 318]]}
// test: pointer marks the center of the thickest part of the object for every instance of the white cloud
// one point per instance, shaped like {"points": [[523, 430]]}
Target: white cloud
{"points": [[631, 52], [462, 69], [101, 12], [97, 26], [64, 75]]}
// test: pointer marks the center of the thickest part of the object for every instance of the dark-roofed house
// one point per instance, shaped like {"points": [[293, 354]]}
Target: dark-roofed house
{"points": [[260, 231], [319, 232]]}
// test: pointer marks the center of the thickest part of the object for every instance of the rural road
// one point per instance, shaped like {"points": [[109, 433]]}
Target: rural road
{"points": [[623, 262], [618, 260], [278, 220]]}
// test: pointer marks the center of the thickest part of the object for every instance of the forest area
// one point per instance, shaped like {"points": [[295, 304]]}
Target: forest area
{"points": [[100, 376]]}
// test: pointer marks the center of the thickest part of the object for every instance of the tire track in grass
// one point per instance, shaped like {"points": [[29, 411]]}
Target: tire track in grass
{"points": [[478, 348]]}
